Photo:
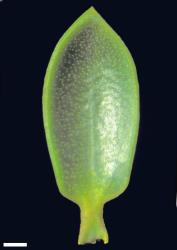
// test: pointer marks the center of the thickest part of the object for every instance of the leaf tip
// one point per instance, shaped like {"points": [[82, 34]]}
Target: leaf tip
{"points": [[92, 10]]}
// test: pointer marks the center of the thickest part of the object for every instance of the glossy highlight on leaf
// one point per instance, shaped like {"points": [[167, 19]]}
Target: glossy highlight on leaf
{"points": [[91, 118]]}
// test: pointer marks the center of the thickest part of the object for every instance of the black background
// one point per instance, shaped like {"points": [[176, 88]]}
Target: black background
{"points": [[32, 210]]}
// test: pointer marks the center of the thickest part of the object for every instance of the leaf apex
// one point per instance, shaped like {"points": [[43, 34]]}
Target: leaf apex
{"points": [[92, 10]]}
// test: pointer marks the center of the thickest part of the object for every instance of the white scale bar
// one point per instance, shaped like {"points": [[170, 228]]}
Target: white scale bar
{"points": [[14, 244]]}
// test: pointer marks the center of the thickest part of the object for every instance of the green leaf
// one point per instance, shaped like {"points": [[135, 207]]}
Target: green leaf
{"points": [[91, 118]]}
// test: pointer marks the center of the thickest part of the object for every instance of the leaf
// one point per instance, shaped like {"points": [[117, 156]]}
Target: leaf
{"points": [[91, 118]]}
